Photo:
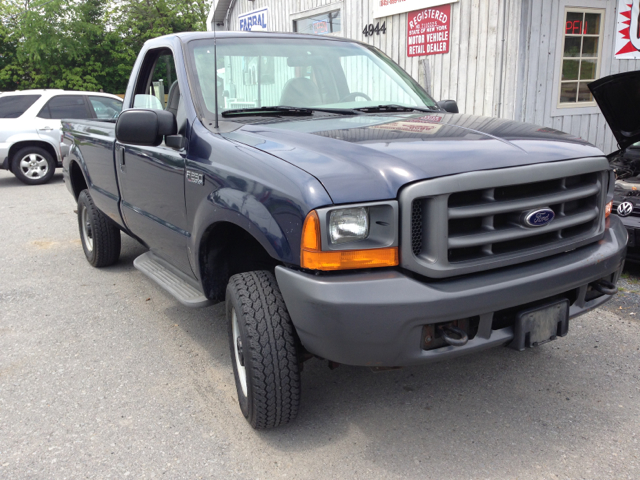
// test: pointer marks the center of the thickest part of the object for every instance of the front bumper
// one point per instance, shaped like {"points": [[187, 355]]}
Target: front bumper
{"points": [[376, 318]]}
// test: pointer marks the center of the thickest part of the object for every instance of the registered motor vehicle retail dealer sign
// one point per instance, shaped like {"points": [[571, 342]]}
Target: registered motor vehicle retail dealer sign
{"points": [[385, 8], [428, 31]]}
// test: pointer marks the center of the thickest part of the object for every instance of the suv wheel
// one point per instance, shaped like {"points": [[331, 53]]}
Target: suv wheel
{"points": [[264, 350], [33, 165]]}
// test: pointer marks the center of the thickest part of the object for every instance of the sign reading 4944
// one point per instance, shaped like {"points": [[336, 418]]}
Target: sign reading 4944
{"points": [[370, 29]]}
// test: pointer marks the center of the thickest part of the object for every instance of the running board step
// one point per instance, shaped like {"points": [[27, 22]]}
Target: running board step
{"points": [[176, 283]]}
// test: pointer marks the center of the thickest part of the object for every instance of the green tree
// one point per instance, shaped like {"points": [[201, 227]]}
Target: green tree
{"points": [[84, 44]]}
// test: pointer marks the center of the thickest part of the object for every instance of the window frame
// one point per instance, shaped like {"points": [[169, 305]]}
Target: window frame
{"points": [[147, 68], [607, 10], [332, 7], [602, 12]]}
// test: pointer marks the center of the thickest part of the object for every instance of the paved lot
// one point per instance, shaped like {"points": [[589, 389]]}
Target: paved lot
{"points": [[103, 375]]}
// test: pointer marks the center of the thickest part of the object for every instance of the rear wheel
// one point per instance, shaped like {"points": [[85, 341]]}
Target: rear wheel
{"points": [[264, 350], [33, 165], [100, 236]]}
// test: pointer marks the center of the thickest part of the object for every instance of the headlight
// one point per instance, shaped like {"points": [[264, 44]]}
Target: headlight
{"points": [[360, 236], [348, 225]]}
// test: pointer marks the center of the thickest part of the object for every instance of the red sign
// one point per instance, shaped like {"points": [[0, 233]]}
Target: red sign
{"points": [[428, 31], [575, 27], [320, 28]]}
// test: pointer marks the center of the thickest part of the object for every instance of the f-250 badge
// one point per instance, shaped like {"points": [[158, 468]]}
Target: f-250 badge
{"points": [[193, 177]]}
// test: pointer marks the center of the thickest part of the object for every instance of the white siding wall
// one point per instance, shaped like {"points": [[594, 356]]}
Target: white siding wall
{"points": [[502, 57], [541, 52]]}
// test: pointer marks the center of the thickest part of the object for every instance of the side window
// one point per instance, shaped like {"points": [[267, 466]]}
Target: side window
{"points": [[13, 106], [160, 89], [105, 107], [65, 106]]}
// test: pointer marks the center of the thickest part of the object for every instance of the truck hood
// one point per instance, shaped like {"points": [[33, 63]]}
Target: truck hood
{"points": [[370, 157], [618, 96]]}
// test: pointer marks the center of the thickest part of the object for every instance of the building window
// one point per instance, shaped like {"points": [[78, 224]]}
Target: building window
{"points": [[582, 44], [319, 24]]}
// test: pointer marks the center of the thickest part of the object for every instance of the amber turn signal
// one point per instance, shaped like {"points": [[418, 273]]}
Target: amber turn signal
{"points": [[607, 209], [313, 258]]}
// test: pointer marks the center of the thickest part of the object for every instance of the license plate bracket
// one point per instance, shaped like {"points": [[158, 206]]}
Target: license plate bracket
{"points": [[540, 325]]}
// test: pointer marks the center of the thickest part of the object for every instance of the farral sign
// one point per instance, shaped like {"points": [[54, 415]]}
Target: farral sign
{"points": [[385, 8], [628, 29], [428, 31], [255, 20]]}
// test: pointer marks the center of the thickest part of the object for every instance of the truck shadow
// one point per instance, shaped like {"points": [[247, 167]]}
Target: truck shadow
{"points": [[499, 403]]}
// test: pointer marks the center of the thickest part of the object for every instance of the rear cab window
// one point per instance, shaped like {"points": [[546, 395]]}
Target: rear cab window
{"points": [[66, 106], [13, 106]]}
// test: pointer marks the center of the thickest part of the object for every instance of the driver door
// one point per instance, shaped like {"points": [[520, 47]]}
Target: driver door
{"points": [[152, 178]]}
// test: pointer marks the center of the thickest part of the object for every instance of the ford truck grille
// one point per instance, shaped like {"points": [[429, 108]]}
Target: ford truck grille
{"points": [[477, 220]]}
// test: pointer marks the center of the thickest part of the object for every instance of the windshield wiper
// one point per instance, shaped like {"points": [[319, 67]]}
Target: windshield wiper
{"points": [[273, 110], [395, 108], [279, 110]]}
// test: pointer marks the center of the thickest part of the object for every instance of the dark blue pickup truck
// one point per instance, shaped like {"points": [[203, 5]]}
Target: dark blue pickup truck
{"points": [[340, 211]]}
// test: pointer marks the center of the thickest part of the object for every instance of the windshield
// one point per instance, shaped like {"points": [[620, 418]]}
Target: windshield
{"points": [[262, 72]]}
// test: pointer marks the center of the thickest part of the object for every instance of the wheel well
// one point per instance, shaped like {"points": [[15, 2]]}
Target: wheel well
{"points": [[78, 183], [226, 249], [44, 145]]}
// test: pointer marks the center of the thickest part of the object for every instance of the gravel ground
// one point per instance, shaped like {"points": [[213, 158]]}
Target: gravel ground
{"points": [[103, 375]]}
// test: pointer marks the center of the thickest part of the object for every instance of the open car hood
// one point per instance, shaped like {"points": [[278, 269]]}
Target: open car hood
{"points": [[618, 96]]}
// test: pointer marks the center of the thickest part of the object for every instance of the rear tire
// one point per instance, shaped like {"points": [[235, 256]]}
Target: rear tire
{"points": [[264, 350], [100, 236], [33, 165]]}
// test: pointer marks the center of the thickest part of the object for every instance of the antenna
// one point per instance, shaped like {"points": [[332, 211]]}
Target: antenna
{"points": [[215, 68]]}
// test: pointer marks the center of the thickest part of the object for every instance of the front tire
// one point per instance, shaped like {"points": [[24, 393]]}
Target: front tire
{"points": [[33, 165], [264, 350], [100, 236]]}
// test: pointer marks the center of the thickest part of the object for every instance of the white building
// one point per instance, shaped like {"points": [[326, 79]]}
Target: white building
{"points": [[527, 60]]}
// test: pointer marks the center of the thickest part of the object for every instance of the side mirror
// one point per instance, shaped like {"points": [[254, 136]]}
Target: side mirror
{"points": [[145, 127], [448, 106]]}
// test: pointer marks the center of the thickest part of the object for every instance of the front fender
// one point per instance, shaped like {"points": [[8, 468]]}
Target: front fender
{"points": [[256, 191], [228, 205]]}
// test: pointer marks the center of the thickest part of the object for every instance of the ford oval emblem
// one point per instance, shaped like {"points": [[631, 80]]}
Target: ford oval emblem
{"points": [[539, 218]]}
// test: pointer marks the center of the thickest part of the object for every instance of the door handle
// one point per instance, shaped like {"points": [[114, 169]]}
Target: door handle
{"points": [[45, 129], [120, 156]]}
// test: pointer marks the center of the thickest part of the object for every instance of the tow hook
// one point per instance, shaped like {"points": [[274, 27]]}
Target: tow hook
{"points": [[604, 286], [448, 330]]}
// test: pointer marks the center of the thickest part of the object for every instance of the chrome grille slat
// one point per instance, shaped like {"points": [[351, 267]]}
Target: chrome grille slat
{"points": [[485, 238], [474, 221], [495, 208]]}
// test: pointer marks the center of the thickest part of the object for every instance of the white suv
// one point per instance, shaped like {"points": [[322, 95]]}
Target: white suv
{"points": [[30, 127]]}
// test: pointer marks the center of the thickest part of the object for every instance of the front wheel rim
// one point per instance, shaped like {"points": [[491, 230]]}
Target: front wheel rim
{"points": [[87, 232], [34, 166], [242, 371]]}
